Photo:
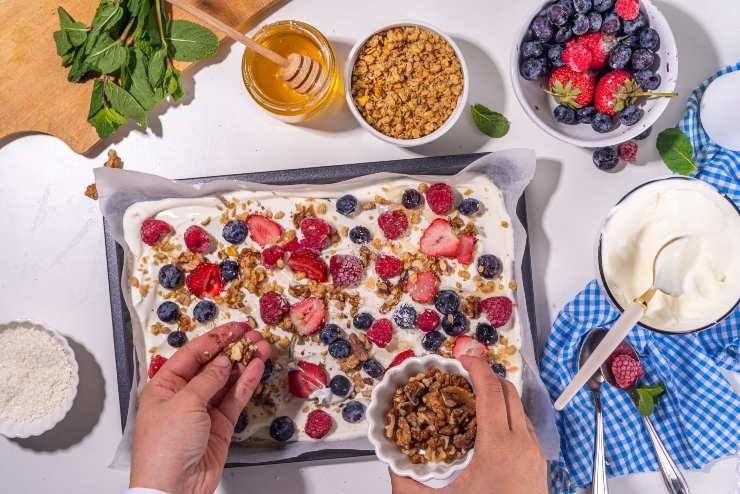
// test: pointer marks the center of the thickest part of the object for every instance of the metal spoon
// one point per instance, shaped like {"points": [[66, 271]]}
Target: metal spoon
{"points": [[674, 481], [598, 473]]}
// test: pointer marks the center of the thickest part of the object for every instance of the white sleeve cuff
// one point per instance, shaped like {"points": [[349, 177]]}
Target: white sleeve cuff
{"points": [[143, 490]]}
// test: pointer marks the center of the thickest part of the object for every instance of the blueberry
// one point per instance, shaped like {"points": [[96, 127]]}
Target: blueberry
{"points": [[642, 59], [650, 39], [498, 369], [470, 206], [631, 115], [169, 276], [585, 115], [282, 428], [565, 115], [542, 28], [606, 158], [359, 235], [620, 57], [636, 24], [568, 6], [581, 24], [485, 333], [340, 385], [602, 123], [432, 341], [373, 368], [529, 49], [267, 372], [644, 135], [235, 231], [612, 23], [447, 301], [241, 422], [176, 339], [229, 270], [603, 5], [632, 41], [168, 312], [363, 321], [489, 266], [347, 205], [563, 34], [595, 19], [557, 14], [353, 411], [340, 349], [329, 333], [647, 79], [582, 6], [533, 68], [455, 324], [411, 198], [405, 316], [204, 311], [555, 56]]}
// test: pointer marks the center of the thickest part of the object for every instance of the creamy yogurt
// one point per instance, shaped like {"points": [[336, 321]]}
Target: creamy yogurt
{"points": [[705, 266]]}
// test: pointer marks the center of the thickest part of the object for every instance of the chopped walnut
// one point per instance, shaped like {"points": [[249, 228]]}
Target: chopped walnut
{"points": [[471, 306], [113, 161]]}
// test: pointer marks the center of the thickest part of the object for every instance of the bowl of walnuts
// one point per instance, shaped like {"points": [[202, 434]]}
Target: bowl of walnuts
{"points": [[406, 83], [422, 420]]}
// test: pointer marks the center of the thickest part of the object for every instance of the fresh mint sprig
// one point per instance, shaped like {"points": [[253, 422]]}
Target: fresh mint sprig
{"points": [[491, 123], [676, 151], [647, 398]]}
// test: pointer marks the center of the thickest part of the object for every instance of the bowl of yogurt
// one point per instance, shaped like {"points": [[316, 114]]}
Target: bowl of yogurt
{"points": [[649, 216]]}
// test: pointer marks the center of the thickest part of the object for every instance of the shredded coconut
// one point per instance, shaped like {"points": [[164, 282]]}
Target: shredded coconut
{"points": [[35, 374]]}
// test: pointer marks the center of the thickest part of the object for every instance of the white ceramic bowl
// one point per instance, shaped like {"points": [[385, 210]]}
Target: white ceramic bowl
{"points": [[22, 429], [382, 397], [447, 125], [538, 105]]}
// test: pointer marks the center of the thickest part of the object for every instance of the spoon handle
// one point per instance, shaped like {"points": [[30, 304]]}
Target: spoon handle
{"points": [[598, 473], [674, 481]]}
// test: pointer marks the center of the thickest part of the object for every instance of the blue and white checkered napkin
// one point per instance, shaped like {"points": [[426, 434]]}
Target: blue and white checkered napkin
{"points": [[699, 416]]}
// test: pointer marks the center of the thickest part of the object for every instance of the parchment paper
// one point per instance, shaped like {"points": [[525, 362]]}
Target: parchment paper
{"points": [[510, 170]]}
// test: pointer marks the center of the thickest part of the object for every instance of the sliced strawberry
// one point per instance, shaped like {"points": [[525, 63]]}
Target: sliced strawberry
{"points": [[381, 332], [393, 223], [204, 280], [310, 263], [466, 248], [465, 345], [156, 364], [306, 379], [439, 239], [406, 354], [271, 255], [388, 266], [316, 233], [497, 309], [263, 230], [198, 240], [308, 315], [152, 231], [292, 246], [423, 288]]}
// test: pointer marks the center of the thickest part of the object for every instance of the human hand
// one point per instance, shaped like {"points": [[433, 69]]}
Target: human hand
{"points": [[507, 458], [187, 413]]}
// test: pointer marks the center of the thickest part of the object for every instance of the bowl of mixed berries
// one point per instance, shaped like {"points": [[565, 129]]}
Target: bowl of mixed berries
{"points": [[595, 73]]}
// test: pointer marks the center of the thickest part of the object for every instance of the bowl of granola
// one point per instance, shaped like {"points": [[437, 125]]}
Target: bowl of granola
{"points": [[422, 419], [406, 83]]}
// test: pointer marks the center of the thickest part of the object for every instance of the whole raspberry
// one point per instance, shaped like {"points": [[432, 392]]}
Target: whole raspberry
{"points": [[628, 151], [318, 424], [440, 198], [497, 309], [388, 266], [152, 231], [627, 9], [427, 320], [292, 246], [271, 255], [626, 370], [381, 332], [345, 270], [393, 224], [273, 307], [198, 240]]}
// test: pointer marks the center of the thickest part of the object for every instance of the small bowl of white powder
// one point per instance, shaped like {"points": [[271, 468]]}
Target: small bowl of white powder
{"points": [[38, 378]]}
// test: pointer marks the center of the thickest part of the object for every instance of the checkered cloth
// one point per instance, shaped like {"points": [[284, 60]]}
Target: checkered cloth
{"points": [[699, 416]]}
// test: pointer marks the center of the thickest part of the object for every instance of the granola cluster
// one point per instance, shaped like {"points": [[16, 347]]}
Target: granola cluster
{"points": [[242, 350], [432, 417], [406, 82]]}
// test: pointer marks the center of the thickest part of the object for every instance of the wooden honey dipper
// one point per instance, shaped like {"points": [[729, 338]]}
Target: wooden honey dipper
{"points": [[303, 74]]}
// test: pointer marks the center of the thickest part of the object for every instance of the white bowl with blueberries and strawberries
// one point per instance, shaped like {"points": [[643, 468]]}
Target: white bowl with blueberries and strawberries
{"points": [[595, 73]]}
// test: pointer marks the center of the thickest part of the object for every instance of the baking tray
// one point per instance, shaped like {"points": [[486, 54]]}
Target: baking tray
{"points": [[438, 165]]}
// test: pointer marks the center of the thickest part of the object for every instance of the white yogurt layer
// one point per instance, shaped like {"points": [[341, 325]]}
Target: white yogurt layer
{"points": [[708, 260], [495, 237]]}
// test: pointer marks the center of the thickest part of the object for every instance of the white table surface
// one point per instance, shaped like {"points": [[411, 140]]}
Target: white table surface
{"points": [[53, 264]]}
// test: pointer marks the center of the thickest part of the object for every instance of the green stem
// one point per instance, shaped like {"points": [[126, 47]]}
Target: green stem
{"points": [[126, 30], [648, 93], [158, 5]]}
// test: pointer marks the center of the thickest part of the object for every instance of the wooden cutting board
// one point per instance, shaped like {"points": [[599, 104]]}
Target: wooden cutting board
{"points": [[34, 93]]}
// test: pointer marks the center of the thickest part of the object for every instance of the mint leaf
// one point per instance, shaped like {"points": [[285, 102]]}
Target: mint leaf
{"points": [[190, 41], [125, 104], [76, 32], [108, 55], [489, 122], [173, 83], [157, 65], [106, 16], [139, 82], [647, 397], [676, 152], [96, 99], [106, 121], [79, 67], [62, 43]]}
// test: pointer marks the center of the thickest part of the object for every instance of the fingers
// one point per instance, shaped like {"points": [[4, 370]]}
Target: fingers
{"points": [[490, 402], [517, 418], [240, 393], [187, 361], [406, 485], [210, 380]]}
